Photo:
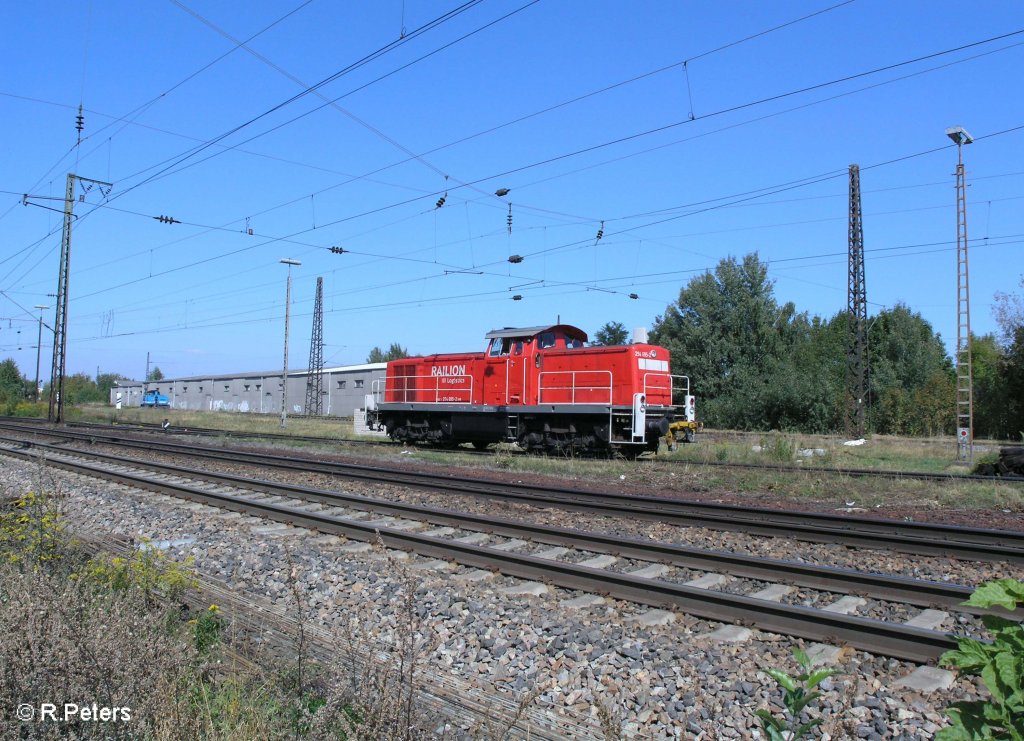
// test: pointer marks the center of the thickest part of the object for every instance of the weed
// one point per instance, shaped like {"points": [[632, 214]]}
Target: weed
{"points": [[778, 447], [207, 628], [148, 570], [1000, 664], [800, 691], [32, 531]]}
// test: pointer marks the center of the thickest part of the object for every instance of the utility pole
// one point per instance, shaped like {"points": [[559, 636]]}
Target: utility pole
{"points": [[60, 324], [39, 346], [856, 317], [287, 317], [315, 382], [964, 371], [145, 378]]}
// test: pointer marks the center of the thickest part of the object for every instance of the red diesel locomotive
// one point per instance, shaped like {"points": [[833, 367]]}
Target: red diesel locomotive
{"points": [[542, 388]]}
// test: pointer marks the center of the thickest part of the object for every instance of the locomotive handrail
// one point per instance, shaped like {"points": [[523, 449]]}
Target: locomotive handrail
{"points": [[671, 387], [456, 392], [573, 388]]}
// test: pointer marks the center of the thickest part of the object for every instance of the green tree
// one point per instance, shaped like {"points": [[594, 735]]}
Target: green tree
{"points": [[12, 384], [1009, 314], [726, 332], [991, 402], [82, 389], [1012, 373], [395, 352], [612, 333], [106, 381], [156, 374], [907, 363]]}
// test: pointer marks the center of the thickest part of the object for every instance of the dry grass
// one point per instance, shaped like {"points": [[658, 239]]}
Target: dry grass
{"points": [[328, 427], [670, 469]]}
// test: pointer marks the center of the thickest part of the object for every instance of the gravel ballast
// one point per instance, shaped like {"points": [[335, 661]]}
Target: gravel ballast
{"points": [[665, 680]]}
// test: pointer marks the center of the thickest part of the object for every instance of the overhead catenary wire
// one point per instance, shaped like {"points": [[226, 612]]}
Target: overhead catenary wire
{"points": [[518, 206]]}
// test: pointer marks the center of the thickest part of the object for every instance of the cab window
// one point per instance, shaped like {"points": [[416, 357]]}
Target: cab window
{"points": [[518, 348], [500, 346], [573, 343], [545, 340]]}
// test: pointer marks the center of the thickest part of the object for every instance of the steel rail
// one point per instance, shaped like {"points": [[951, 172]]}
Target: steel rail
{"points": [[908, 537], [900, 641], [824, 578], [448, 697], [853, 472]]}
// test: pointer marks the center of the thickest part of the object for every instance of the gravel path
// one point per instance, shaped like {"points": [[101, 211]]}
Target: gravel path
{"points": [[661, 681]]}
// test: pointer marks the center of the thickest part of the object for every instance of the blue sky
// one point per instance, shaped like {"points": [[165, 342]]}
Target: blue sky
{"points": [[585, 111]]}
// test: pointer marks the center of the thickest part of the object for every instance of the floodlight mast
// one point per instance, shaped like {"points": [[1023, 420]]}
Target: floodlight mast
{"points": [[964, 370], [287, 315], [39, 347]]}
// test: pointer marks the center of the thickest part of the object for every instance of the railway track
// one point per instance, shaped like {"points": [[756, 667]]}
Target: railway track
{"points": [[361, 519], [781, 468], [907, 537], [277, 629]]}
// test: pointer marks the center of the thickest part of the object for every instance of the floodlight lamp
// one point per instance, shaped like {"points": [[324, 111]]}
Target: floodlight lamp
{"points": [[289, 261], [959, 135]]}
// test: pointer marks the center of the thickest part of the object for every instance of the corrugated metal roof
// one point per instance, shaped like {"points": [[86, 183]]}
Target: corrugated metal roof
{"points": [[272, 373]]}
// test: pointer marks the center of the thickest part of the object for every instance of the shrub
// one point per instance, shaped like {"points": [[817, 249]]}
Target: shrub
{"points": [[1000, 664], [31, 530], [147, 569]]}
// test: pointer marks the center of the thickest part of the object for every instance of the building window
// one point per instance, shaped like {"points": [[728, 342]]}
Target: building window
{"points": [[184, 389], [227, 386], [200, 389], [259, 386], [341, 384], [246, 387], [359, 383]]}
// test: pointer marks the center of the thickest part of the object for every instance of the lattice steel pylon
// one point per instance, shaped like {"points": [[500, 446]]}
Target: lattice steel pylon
{"points": [[856, 317], [964, 371], [60, 323], [315, 382]]}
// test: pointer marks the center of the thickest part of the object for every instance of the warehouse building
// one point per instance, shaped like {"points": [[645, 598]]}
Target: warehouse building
{"points": [[344, 389]]}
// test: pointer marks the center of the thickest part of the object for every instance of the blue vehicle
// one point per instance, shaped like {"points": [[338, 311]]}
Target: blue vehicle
{"points": [[154, 399]]}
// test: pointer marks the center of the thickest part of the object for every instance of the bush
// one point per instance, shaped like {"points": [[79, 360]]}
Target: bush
{"points": [[1000, 665]]}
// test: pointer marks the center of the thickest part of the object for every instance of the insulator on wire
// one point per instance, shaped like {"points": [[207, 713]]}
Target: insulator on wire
{"points": [[633, 296], [600, 232], [80, 120], [166, 219], [515, 259], [517, 297], [441, 200], [338, 250], [510, 218]]}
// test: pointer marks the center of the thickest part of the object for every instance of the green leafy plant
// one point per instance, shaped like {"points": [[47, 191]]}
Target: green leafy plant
{"points": [[1000, 664], [32, 530], [207, 628], [148, 569], [800, 691]]}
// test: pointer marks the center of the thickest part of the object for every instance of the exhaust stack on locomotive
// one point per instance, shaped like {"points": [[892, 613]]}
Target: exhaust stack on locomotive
{"points": [[542, 388]]}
